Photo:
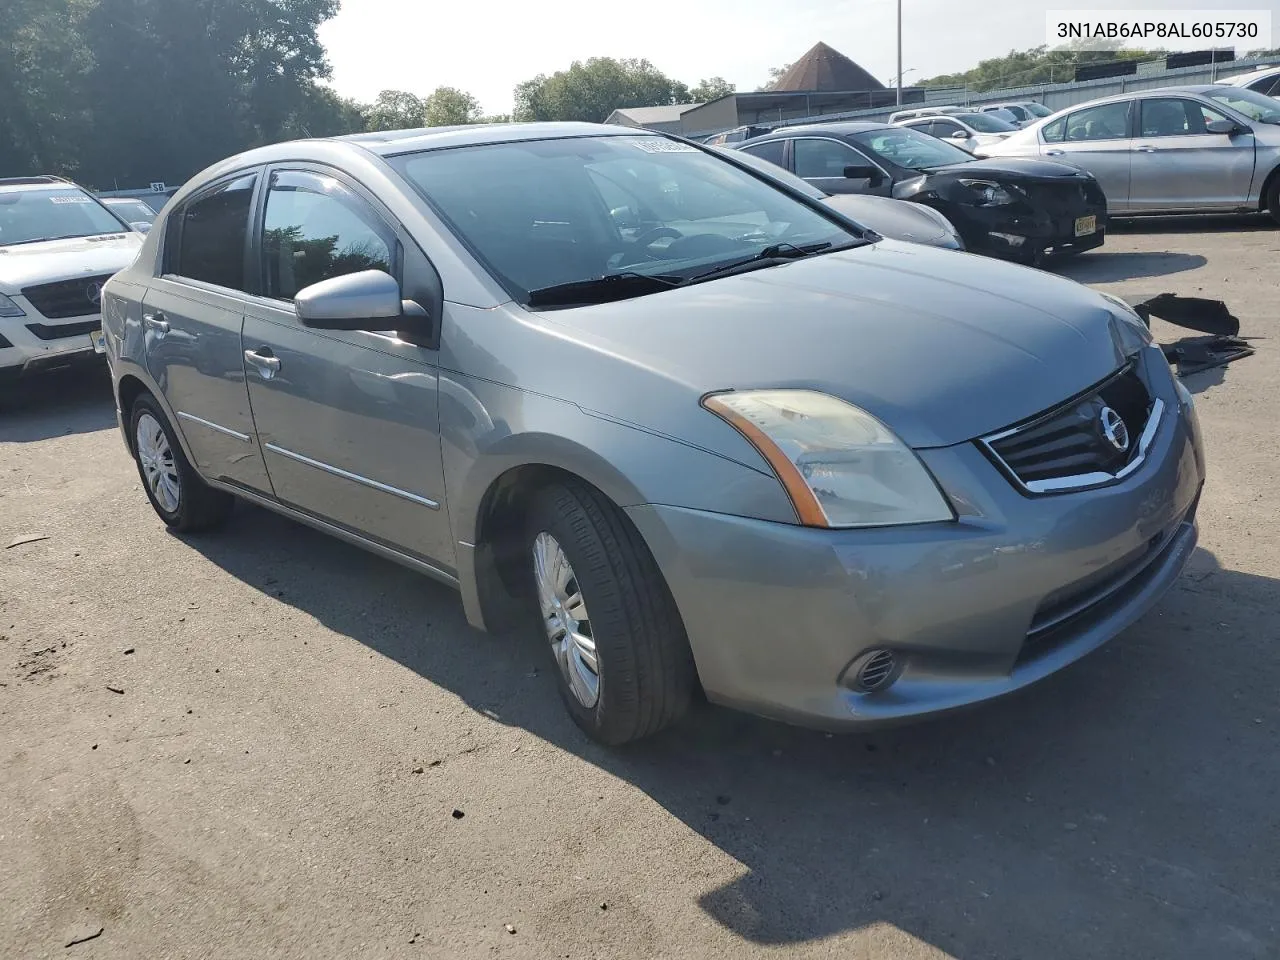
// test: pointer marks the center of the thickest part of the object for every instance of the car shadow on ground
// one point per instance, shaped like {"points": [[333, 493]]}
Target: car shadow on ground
{"points": [[1106, 267], [1126, 807], [55, 405]]}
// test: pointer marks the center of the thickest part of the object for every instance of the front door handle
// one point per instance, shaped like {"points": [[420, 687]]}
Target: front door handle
{"points": [[266, 363], [1054, 153], [1146, 148], [156, 322]]}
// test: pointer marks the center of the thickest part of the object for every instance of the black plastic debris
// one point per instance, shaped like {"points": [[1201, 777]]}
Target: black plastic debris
{"points": [[1222, 343]]}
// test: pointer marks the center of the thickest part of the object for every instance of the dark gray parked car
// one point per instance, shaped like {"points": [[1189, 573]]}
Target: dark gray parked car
{"points": [[831, 480]]}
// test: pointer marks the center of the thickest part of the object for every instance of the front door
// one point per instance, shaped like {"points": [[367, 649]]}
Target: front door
{"points": [[1097, 139], [1179, 165], [192, 316], [822, 162], [348, 421]]}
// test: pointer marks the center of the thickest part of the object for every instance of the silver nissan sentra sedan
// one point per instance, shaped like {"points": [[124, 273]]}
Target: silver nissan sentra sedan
{"points": [[710, 433]]}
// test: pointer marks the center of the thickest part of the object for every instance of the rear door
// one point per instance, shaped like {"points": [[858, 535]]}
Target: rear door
{"points": [[349, 420], [1179, 165], [1097, 139], [192, 316], [822, 162]]}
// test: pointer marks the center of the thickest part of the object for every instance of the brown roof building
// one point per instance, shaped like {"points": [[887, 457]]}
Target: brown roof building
{"points": [[825, 69]]}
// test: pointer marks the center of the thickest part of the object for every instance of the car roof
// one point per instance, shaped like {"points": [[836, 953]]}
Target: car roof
{"points": [[843, 127], [390, 142], [28, 184]]}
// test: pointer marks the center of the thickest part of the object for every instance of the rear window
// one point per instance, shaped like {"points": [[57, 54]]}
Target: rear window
{"points": [[211, 233]]}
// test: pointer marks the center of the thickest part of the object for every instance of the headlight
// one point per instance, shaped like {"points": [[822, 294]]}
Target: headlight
{"points": [[10, 309], [988, 194], [841, 466], [1132, 325]]}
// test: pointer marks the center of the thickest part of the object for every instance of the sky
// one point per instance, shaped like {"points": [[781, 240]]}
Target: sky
{"points": [[486, 48]]}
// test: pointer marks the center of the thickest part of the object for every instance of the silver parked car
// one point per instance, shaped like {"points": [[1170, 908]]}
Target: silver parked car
{"points": [[737, 444], [973, 132], [1019, 112], [1197, 149]]}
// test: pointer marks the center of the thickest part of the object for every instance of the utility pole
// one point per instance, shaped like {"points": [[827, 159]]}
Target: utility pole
{"points": [[899, 52]]}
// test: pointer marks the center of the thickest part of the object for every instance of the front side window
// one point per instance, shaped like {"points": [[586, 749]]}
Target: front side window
{"points": [[537, 213], [945, 128], [315, 229], [1110, 121], [210, 234], [54, 213], [911, 148], [816, 159]]}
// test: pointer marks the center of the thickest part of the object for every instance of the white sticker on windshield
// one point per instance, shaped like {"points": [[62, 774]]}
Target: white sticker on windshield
{"points": [[662, 145], [70, 199]]}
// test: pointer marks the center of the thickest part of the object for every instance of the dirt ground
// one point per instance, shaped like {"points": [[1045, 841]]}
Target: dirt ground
{"points": [[265, 743]]}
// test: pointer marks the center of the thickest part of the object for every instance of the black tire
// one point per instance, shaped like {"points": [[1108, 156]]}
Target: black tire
{"points": [[1273, 199], [646, 673], [199, 506]]}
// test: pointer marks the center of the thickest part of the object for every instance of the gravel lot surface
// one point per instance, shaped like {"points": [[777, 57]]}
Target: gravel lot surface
{"points": [[313, 756]]}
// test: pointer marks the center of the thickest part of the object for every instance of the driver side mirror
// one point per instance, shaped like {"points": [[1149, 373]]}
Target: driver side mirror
{"points": [[625, 217], [368, 300], [873, 176], [1228, 127], [141, 226], [959, 135]]}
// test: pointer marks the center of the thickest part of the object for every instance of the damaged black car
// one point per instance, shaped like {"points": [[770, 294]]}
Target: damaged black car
{"points": [[1015, 209]]}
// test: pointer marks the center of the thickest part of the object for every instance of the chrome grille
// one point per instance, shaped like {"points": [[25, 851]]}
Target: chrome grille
{"points": [[1068, 448]]}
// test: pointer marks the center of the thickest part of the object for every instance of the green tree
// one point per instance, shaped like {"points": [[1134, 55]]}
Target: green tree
{"points": [[1037, 65], [446, 106], [591, 90], [712, 89], [775, 74], [396, 110]]}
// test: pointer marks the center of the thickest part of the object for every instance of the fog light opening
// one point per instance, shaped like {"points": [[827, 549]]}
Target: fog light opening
{"points": [[875, 670]]}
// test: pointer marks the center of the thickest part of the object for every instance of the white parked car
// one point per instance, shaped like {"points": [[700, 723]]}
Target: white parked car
{"points": [[58, 246], [969, 131], [1265, 81], [925, 112]]}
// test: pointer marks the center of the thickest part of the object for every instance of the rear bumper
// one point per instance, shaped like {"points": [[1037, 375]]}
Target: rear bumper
{"points": [[1015, 590]]}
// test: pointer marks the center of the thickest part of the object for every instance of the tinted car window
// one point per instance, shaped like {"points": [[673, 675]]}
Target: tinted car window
{"points": [[1110, 121], [945, 128], [770, 150], [316, 229], [30, 216], [988, 122], [823, 158], [211, 233]]}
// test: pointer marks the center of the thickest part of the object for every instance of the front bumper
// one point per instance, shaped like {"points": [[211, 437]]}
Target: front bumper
{"points": [[1025, 231], [34, 344], [1013, 591]]}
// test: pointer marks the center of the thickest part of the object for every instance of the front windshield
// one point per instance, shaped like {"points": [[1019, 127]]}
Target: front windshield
{"points": [[543, 213], [58, 213], [1037, 109], [987, 122], [1254, 105], [911, 148]]}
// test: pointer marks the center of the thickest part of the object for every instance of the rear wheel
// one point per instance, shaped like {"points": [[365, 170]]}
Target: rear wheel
{"points": [[177, 493], [623, 662]]}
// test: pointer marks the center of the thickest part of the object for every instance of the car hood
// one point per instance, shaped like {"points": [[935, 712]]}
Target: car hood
{"points": [[943, 347], [30, 263], [896, 219], [1012, 169]]}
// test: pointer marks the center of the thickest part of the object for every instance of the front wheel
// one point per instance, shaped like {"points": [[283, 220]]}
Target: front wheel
{"points": [[622, 657], [1273, 199]]}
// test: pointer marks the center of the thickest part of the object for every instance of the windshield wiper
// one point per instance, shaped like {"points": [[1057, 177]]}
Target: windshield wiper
{"points": [[69, 236], [770, 256], [604, 289]]}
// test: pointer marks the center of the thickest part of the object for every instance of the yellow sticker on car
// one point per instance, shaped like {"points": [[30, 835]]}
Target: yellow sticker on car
{"points": [[1086, 226]]}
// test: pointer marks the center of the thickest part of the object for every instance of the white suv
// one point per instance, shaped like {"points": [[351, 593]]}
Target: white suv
{"points": [[58, 246]]}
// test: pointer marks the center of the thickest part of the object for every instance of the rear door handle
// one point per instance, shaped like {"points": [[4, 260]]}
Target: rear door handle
{"points": [[1054, 153], [266, 363], [156, 322], [1146, 148]]}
